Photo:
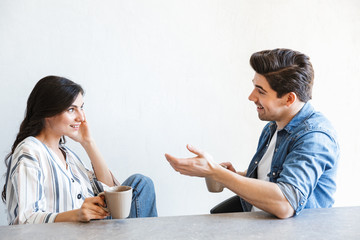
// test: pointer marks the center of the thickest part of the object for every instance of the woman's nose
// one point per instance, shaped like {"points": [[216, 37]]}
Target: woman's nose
{"points": [[80, 116]]}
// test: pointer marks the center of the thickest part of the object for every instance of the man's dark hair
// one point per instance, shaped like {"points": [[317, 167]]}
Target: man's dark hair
{"points": [[286, 71]]}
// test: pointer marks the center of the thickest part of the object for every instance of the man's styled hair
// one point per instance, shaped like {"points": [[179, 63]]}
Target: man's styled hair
{"points": [[286, 71]]}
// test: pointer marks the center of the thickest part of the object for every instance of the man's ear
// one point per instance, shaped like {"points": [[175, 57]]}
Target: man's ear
{"points": [[291, 98]]}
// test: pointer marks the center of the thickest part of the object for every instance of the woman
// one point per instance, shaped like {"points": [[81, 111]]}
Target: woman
{"points": [[45, 180]]}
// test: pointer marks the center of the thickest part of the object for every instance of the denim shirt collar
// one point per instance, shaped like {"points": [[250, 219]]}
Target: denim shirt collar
{"points": [[305, 112]]}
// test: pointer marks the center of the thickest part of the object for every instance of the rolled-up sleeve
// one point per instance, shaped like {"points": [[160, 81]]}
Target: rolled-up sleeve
{"points": [[312, 154], [293, 195], [98, 186]]}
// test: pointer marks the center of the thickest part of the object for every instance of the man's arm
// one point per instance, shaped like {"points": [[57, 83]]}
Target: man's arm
{"points": [[264, 195]]}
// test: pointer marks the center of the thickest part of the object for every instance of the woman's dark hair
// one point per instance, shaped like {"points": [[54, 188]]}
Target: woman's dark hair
{"points": [[51, 95], [286, 71]]}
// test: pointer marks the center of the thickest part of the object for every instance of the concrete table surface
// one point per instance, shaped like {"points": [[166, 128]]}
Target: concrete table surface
{"points": [[332, 223]]}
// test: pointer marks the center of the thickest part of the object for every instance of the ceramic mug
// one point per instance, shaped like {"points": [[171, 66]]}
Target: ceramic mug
{"points": [[213, 186], [118, 201]]}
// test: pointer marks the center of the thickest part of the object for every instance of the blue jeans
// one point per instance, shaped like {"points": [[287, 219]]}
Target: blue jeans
{"points": [[143, 198]]}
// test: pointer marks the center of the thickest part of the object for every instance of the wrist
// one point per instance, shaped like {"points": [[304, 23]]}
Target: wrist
{"points": [[88, 143], [68, 216], [76, 215], [218, 172]]}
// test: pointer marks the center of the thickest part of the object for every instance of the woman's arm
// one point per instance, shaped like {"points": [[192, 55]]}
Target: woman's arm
{"points": [[99, 165], [26, 201], [90, 209], [27, 193]]}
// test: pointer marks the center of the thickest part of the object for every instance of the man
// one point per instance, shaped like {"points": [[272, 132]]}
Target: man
{"points": [[295, 164]]}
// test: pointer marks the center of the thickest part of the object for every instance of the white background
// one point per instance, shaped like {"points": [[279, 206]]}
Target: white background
{"points": [[161, 74]]}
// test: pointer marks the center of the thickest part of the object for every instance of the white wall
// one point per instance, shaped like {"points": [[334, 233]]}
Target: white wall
{"points": [[161, 74]]}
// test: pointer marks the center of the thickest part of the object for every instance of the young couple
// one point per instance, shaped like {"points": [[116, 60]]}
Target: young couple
{"points": [[293, 168]]}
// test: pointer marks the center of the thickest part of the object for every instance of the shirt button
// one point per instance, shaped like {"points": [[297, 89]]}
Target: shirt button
{"points": [[79, 196], [274, 173], [256, 162]]}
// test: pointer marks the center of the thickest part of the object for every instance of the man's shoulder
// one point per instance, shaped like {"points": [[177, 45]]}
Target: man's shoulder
{"points": [[309, 119], [315, 128], [318, 122]]}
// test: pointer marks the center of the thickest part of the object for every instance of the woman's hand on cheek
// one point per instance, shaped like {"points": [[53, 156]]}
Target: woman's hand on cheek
{"points": [[83, 135], [84, 132]]}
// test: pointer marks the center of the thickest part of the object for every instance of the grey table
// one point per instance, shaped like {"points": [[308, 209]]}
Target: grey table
{"points": [[333, 223]]}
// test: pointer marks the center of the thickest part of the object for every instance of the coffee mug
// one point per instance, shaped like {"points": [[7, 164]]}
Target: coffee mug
{"points": [[213, 186], [118, 201]]}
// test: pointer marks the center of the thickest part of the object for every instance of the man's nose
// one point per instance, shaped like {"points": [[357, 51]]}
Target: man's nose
{"points": [[252, 96]]}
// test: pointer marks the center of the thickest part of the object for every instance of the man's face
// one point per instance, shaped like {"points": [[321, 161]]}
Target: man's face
{"points": [[269, 106]]}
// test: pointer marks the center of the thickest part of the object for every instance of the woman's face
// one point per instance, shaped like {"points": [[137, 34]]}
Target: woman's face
{"points": [[68, 122]]}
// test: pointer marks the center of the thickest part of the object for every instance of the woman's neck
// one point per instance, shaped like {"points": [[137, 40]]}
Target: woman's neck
{"points": [[49, 140]]}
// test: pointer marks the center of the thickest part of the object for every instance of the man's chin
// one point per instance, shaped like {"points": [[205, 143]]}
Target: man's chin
{"points": [[263, 118]]}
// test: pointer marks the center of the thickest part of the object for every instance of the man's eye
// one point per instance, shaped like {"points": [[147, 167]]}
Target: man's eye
{"points": [[261, 92]]}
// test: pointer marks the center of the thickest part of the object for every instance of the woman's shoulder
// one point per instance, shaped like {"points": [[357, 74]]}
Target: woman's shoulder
{"points": [[29, 146], [29, 142]]}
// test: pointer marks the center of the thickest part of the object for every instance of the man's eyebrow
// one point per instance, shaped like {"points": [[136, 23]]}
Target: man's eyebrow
{"points": [[258, 86]]}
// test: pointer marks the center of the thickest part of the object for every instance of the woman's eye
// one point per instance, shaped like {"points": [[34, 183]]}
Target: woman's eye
{"points": [[71, 110]]}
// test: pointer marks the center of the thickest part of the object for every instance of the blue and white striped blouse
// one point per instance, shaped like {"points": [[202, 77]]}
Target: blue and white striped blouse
{"points": [[39, 186]]}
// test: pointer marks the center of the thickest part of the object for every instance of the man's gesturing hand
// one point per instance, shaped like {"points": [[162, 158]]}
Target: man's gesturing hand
{"points": [[201, 166]]}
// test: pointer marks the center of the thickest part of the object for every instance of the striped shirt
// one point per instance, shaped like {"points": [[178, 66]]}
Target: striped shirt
{"points": [[39, 186]]}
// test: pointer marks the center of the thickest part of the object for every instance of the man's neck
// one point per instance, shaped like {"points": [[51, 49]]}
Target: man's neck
{"points": [[293, 110]]}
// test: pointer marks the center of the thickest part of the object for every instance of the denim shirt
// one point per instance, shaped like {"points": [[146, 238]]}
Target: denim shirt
{"points": [[305, 157]]}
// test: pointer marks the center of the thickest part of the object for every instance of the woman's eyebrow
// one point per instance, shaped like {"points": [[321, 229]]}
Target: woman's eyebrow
{"points": [[75, 106]]}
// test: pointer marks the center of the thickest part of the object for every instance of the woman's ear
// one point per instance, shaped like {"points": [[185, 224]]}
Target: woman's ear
{"points": [[46, 122]]}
